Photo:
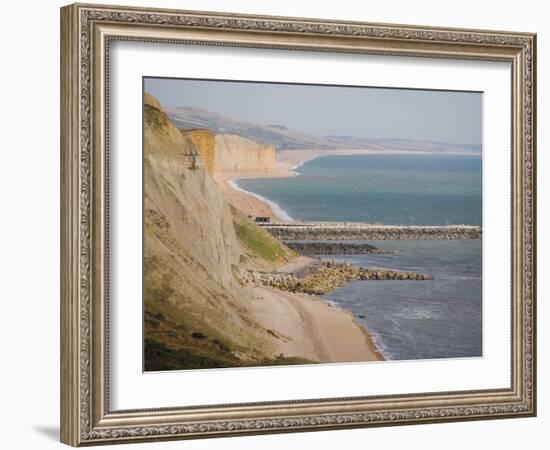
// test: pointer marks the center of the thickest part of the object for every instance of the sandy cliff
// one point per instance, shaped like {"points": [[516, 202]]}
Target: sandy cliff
{"points": [[239, 153], [229, 152], [204, 141], [194, 301]]}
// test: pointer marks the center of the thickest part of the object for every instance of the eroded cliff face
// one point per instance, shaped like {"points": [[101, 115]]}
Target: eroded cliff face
{"points": [[204, 141], [229, 152], [236, 153], [195, 304]]}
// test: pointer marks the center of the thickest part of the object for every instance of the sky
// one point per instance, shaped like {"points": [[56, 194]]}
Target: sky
{"points": [[444, 116]]}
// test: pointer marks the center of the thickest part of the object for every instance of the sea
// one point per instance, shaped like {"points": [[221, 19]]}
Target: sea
{"points": [[388, 189], [439, 318]]}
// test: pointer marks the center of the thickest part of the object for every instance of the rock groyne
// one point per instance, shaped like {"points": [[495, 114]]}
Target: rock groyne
{"points": [[328, 277], [341, 231]]}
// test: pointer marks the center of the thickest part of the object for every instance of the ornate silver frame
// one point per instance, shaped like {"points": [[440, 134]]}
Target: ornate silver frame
{"points": [[86, 32]]}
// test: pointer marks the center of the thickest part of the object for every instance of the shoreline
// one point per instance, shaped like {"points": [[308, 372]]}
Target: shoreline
{"points": [[320, 324], [287, 161], [275, 209], [312, 328], [253, 204]]}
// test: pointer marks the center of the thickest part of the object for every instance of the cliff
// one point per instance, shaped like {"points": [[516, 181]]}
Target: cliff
{"points": [[196, 306], [235, 153], [194, 302], [204, 141], [229, 152]]}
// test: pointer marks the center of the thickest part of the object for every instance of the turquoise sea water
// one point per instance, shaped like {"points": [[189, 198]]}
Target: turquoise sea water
{"points": [[389, 189]]}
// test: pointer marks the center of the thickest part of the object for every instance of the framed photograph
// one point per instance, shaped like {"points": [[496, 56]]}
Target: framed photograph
{"points": [[276, 224]]}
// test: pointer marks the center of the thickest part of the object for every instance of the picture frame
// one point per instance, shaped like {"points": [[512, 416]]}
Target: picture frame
{"points": [[87, 33]]}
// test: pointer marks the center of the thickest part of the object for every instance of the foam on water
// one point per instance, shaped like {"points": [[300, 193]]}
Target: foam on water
{"points": [[277, 210]]}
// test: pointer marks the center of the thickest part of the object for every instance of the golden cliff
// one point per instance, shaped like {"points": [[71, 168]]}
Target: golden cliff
{"points": [[230, 152], [196, 306]]}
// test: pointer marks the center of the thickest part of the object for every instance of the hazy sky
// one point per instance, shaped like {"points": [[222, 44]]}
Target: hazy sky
{"points": [[445, 116]]}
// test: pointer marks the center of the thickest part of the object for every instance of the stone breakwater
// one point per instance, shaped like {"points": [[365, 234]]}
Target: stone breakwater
{"points": [[331, 248], [328, 277], [341, 231]]}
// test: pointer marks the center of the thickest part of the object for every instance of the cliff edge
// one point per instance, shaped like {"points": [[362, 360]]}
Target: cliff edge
{"points": [[196, 308]]}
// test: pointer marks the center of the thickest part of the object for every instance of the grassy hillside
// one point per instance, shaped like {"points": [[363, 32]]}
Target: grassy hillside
{"points": [[264, 250]]}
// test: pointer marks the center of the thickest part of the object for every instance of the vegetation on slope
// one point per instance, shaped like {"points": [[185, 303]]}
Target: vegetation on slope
{"points": [[259, 244], [161, 357]]}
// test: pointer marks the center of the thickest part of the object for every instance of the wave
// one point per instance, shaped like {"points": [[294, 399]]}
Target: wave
{"points": [[277, 210], [375, 337], [301, 163], [380, 346]]}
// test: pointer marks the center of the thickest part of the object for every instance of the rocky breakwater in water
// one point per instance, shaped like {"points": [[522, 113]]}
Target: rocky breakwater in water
{"points": [[328, 277], [341, 231], [332, 248]]}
